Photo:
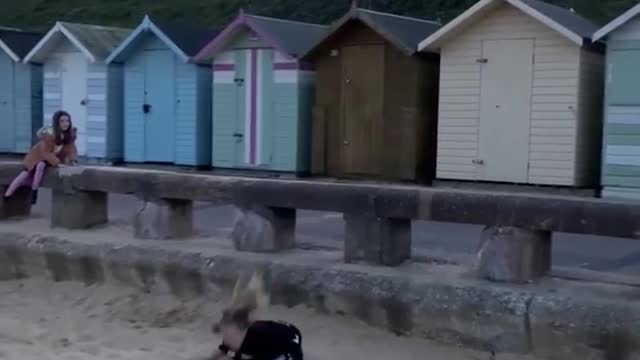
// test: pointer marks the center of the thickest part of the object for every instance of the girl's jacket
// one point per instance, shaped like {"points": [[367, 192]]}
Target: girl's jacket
{"points": [[45, 149]]}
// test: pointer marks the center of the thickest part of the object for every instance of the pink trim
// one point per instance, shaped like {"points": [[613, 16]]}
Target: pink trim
{"points": [[293, 66], [213, 47], [224, 67], [254, 103]]}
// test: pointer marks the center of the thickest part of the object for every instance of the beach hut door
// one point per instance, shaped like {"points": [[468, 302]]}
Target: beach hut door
{"points": [[362, 103], [159, 106], [8, 133], [505, 111]]}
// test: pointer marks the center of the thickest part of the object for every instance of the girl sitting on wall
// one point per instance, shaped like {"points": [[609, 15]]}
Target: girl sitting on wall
{"points": [[245, 338], [55, 146]]}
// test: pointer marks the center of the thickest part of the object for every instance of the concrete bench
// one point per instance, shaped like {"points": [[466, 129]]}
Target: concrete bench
{"points": [[515, 245]]}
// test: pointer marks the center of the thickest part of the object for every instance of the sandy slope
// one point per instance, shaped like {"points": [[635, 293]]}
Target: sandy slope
{"points": [[40, 320]]}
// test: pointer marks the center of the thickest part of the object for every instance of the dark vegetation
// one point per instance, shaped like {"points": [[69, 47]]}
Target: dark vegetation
{"points": [[41, 14]]}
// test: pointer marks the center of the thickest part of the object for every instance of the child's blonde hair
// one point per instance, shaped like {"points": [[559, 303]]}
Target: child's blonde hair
{"points": [[248, 296]]}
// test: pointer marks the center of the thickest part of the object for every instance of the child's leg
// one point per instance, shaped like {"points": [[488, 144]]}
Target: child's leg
{"points": [[20, 180], [37, 178]]}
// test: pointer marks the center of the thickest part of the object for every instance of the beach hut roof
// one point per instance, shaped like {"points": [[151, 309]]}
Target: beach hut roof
{"points": [[94, 41], [402, 31], [17, 43], [565, 21], [292, 38], [184, 40], [617, 22]]}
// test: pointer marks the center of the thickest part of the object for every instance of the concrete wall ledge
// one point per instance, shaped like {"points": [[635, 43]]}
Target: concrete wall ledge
{"points": [[554, 318], [538, 212]]}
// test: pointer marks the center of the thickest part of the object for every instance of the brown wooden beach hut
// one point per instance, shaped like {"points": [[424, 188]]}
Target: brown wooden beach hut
{"points": [[376, 98]]}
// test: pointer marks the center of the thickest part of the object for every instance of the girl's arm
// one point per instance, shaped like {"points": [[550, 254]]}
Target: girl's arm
{"points": [[46, 148], [69, 154]]}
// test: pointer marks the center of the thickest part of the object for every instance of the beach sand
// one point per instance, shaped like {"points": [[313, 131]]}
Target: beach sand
{"points": [[43, 320]]}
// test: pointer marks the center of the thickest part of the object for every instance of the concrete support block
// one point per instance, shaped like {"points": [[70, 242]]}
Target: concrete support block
{"points": [[509, 254], [19, 204], [78, 209], [375, 240], [164, 219], [264, 229]]}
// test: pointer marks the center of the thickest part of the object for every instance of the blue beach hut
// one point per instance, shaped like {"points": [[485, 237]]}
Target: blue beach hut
{"points": [[168, 97], [20, 91], [76, 79]]}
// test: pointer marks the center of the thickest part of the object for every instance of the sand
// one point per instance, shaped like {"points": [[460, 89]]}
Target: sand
{"points": [[42, 320]]}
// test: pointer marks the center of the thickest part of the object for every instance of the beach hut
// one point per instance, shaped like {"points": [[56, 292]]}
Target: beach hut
{"points": [[20, 91], [77, 80], [520, 95], [262, 93], [621, 156], [168, 97], [376, 97]]}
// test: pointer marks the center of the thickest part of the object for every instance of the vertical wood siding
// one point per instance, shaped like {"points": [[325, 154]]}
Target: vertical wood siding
{"points": [[272, 139], [115, 112], [247, 40], [186, 136], [7, 103], [97, 111], [621, 154], [306, 90], [191, 134], [204, 119], [628, 32], [554, 99], [24, 94], [36, 109], [590, 115], [224, 109], [52, 91], [134, 126]]}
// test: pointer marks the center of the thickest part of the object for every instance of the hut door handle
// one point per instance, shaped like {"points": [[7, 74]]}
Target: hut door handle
{"points": [[84, 102], [478, 162], [348, 81], [238, 136], [346, 142], [146, 108]]}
